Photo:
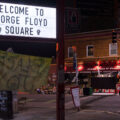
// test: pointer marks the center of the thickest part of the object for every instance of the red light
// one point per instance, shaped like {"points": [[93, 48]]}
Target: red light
{"points": [[65, 68], [57, 47], [113, 30], [97, 67], [118, 62], [80, 67], [98, 63], [74, 48], [117, 67]]}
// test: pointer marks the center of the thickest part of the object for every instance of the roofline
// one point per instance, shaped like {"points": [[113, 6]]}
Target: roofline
{"points": [[107, 32]]}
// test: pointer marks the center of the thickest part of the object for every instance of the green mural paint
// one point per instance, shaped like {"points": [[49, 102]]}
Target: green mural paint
{"points": [[22, 72]]}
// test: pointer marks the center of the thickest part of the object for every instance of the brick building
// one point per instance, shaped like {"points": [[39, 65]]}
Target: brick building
{"points": [[92, 46], [96, 55]]}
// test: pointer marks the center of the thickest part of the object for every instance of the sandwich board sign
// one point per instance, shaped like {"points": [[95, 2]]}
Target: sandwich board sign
{"points": [[75, 96]]}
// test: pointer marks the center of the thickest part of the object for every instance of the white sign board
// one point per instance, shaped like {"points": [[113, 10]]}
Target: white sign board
{"points": [[76, 98], [27, 21]]}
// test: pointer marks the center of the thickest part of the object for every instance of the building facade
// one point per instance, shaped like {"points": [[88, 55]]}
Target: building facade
{"points": [[97, 56], [92, 45]]}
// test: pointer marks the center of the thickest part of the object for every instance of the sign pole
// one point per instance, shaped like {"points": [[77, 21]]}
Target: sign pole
{"points": [[60, 97], [76, 69]]}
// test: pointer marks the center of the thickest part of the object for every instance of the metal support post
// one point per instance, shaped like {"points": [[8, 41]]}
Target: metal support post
{"points": [[60, 107]]}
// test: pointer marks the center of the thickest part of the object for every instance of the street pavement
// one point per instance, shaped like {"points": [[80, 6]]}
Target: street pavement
{"points": [[104, 107], [43, 107]]}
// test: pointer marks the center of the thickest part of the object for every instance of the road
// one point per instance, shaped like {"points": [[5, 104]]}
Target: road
{"points": [[45, 97], [106, 108], [43, 107], [109, 103]]}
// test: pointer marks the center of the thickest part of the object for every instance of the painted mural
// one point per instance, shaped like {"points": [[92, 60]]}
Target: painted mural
{"points": [[22, 72]]}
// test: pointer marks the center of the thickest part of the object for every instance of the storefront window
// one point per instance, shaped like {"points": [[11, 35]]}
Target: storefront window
{"points": [[90, 50], [113, 49]]}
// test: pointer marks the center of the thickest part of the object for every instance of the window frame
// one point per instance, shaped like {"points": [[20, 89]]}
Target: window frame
{"points": [[69, 52], [111, 49], [87, 50]]}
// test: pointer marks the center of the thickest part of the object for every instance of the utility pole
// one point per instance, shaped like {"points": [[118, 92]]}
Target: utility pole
{"points": [[60, 97], [74, 3]]}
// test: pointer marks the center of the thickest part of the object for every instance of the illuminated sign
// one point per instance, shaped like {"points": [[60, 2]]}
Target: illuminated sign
{"points": [[27, 21]]}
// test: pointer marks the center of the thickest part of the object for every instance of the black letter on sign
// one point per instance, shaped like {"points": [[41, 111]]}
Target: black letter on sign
{"points": [[45, 22], [7, 29], [38, 32]]}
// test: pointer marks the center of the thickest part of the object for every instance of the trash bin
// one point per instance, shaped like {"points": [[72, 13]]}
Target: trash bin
{"points": [[6, 108], [87, 91], [90, 91]]}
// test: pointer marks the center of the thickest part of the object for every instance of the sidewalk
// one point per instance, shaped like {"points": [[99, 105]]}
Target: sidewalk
{"points": [[96, 110], [83, 101]]}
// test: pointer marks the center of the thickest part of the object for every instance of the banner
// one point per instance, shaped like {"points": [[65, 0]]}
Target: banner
{"points": [[22, 72]]}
